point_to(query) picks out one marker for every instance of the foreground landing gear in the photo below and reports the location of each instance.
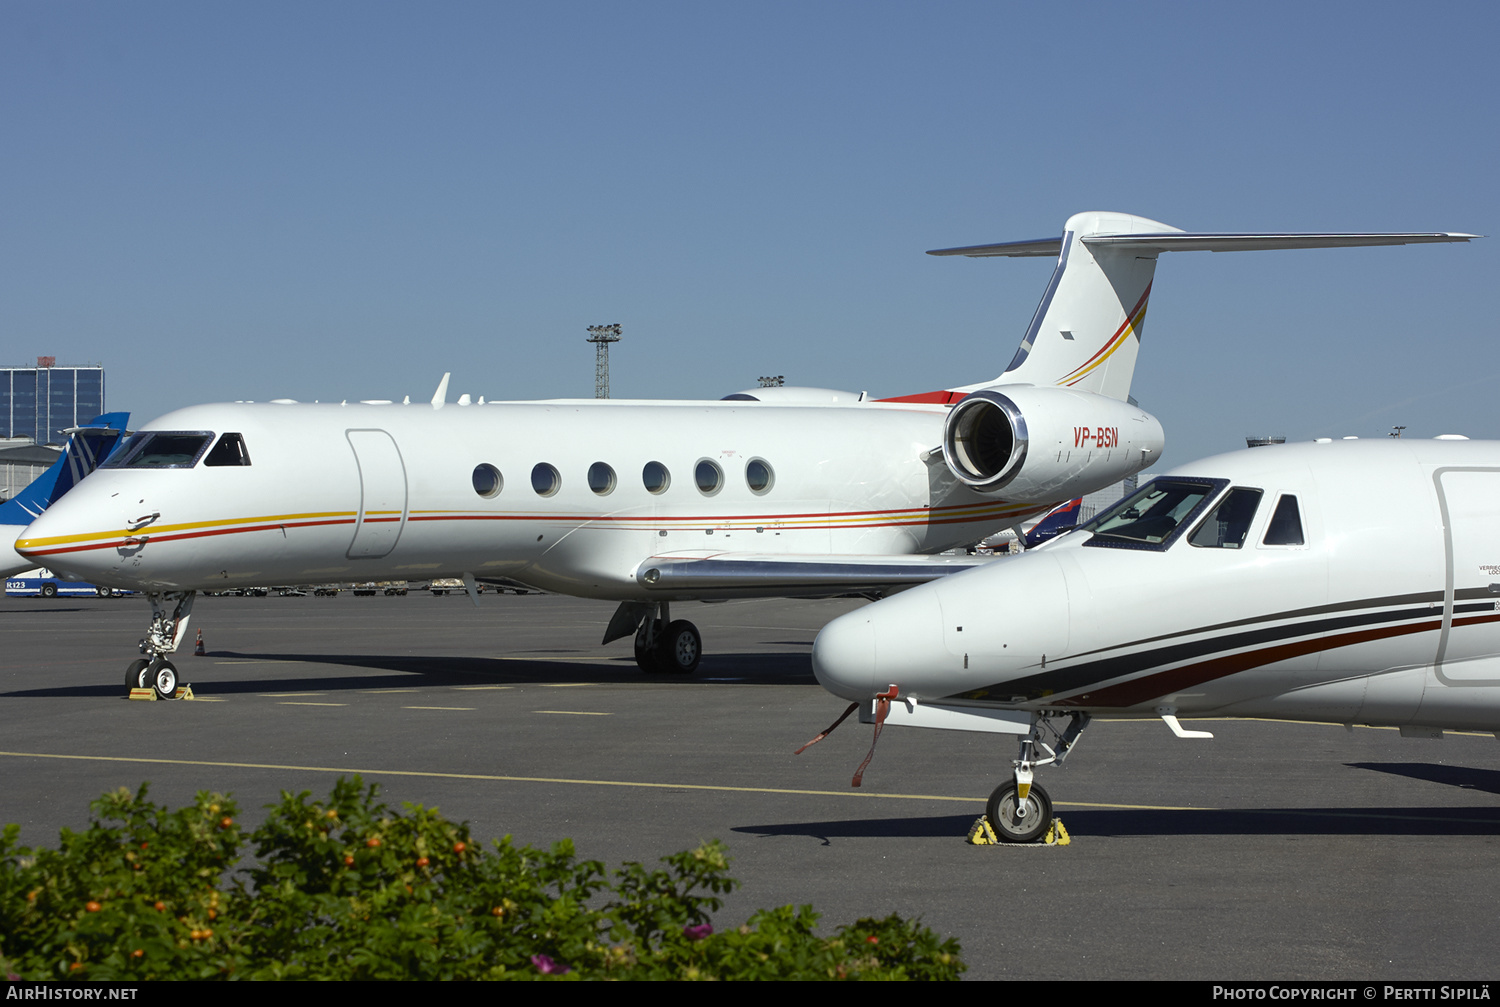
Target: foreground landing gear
(1019, 821)
(169, 620)
(662, 646)
(136, 676)
(1020, 811)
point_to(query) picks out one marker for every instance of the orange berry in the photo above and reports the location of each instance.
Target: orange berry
(225, 822)
(348, 861)
(422, 861)
(160, 906)
(459, 847)
(138, 953)
(498, 911)
(372, 842)
(92, 907)
(872, 939)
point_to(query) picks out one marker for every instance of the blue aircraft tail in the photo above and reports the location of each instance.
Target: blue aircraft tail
(1060, 519)
(86, 450)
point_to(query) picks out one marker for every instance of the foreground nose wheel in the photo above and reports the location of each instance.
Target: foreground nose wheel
(1018, 821)
(163, 676)
(136, 677)
(158, 674)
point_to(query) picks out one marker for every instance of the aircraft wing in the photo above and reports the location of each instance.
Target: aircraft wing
(782, 576)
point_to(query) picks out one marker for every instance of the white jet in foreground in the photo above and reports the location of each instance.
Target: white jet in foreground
(1346, 581)
(789, 492)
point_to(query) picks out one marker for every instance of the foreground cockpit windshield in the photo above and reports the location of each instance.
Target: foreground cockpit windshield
(1153, 516)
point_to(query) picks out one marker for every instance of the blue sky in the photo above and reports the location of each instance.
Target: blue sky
(344, 200)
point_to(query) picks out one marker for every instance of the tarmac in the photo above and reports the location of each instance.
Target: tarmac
(1275, 851)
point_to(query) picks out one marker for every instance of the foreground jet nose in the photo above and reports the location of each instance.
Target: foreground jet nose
(977, 630)
(855, 654)
(66, 538)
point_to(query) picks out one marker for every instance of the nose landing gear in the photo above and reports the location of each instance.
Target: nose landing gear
(168, 627)
(1019, 810)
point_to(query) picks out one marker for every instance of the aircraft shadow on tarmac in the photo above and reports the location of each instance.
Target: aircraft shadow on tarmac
(388, 671)
(1119, 823)
(1484, 780)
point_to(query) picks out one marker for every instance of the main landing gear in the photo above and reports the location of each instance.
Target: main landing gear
(169, 619)
(668, 647)
(1019, 810)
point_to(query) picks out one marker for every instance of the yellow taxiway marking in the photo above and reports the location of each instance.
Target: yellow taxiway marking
(312, 704)
(576, 713)
(476, 688)
(283, 695)
(564, 685)
(437, 708)
(382, 692)
(697, 786)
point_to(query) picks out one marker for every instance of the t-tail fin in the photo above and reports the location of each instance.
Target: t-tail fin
(1087, 330)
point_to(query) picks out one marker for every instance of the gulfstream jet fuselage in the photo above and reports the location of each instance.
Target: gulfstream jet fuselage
(772, 492)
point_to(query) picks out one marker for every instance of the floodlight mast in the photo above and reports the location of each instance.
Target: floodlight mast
(601, 336)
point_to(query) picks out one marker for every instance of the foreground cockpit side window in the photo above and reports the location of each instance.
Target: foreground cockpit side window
(229, 451)
(1228, 525)
(1154, 516)
(1286, 524)
(161, 449)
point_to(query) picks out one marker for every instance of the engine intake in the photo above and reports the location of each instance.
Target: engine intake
(985, 440)
(1038, 444)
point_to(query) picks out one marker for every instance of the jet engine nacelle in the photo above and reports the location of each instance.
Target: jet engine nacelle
(1037, 444)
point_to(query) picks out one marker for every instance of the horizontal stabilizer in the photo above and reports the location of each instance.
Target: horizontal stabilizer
(1086, 331)
(1209, 241)
(1014, 249)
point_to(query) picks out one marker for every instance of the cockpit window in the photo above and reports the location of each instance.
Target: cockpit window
(1286, 524)
(229, 451)
(1153, 516)
(161, 449)
(1228, 525)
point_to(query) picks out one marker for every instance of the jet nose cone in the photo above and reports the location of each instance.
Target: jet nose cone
(898, 641)
(843, 656)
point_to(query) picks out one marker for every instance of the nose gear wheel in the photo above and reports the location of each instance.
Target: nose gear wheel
(1018, 821)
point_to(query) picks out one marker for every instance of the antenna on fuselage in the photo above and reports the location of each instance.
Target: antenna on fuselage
(440, 397)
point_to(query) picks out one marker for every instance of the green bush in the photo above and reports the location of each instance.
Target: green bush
(349, 888)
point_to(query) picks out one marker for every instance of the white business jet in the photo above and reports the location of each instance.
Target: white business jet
(1348, 581)
(790, 492)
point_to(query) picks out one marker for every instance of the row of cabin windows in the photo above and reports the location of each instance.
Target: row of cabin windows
(602, 480)
(708, 476)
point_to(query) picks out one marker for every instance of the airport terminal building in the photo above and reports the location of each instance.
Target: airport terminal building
(36, 405)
